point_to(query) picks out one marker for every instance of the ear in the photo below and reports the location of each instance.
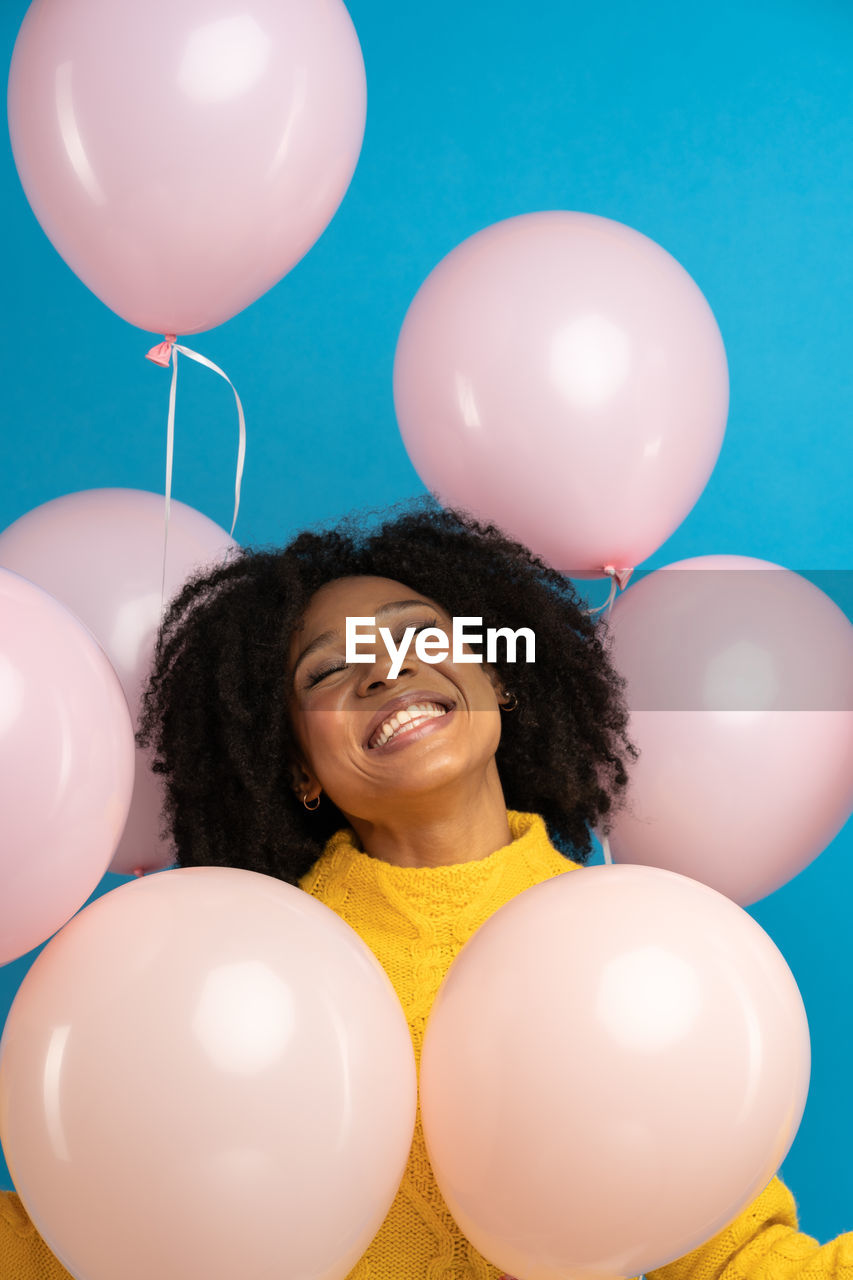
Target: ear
(301, 778)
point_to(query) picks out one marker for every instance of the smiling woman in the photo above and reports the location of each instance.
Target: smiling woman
(253, 709)
(414, 806)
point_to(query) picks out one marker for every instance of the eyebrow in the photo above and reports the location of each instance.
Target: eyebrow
(383, 609)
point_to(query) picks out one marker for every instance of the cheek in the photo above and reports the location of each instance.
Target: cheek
(478, 689)
(327, 733)
(495, 725)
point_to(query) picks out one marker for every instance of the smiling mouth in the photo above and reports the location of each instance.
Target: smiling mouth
(408, 722)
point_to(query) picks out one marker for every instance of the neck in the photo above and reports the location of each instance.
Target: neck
(440, 829)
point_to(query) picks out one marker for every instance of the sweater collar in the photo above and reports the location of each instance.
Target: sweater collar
(343, 861)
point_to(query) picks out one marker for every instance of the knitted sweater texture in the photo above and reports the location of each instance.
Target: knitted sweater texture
(415, 920)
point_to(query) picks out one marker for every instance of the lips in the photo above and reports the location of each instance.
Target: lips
(405, 700)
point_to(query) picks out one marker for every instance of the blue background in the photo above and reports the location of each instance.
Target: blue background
(722, 131)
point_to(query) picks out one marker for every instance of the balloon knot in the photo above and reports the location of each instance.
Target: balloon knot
(162, 353)
(621, 575)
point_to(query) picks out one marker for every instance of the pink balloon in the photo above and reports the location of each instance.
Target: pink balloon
(66, 765)
(740, 684)
(207, 1072)
(561, 374)
(182, 157)
(100, 552)
(615, 1065)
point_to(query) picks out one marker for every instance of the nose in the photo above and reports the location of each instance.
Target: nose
(376, 674)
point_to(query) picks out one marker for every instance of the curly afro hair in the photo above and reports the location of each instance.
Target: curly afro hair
(215, 708)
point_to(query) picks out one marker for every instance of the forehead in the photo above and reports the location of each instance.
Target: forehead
(357, 596)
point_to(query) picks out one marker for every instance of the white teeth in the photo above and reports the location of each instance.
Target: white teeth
(416, 711)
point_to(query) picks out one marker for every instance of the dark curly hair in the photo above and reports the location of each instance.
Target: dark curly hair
(215, 708)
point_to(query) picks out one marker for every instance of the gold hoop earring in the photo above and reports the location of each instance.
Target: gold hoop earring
(315, 805)
(508, 706)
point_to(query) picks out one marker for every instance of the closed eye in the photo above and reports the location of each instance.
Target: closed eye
(321, 675)
(397, 637)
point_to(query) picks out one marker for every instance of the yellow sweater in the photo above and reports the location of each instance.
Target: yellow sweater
(415, 920)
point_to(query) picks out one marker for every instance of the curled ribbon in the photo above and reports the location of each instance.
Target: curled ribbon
(164, 353)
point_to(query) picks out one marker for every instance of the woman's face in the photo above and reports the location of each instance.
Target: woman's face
(449, 721)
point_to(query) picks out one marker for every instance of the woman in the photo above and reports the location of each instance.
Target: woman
(414, 806)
